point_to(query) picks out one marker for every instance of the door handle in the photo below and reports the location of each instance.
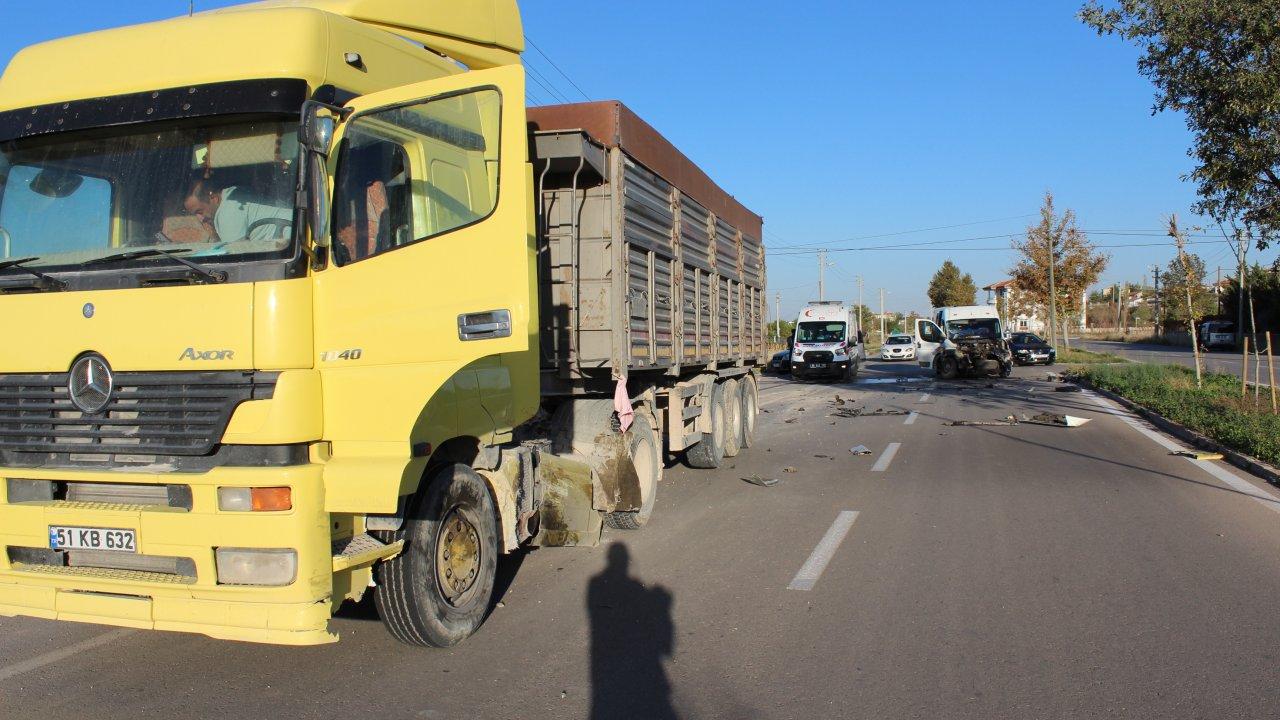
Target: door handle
(484, 325)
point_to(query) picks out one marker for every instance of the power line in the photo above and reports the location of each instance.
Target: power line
(557, 67)
(964, 249)
(546, 84)
(908, 232)
(928, 243)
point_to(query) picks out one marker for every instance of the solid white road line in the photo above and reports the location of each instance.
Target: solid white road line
(886, 457)
(822, 554)
(911, 419)
(1232, 480)
(54, 656)
(924, 398)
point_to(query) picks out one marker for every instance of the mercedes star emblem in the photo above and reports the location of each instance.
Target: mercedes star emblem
(91, 384)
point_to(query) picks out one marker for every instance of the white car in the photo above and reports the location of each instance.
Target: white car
(898, 347)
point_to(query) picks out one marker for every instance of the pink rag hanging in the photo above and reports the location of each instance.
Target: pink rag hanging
(622, 404)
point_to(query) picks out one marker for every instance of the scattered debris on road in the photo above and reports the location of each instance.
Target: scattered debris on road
(1052, 419)
(788, 469)
(790, 420)
(762, 482)
(862, 411)
(1056, 419)
(860, 450)
(1198, 454)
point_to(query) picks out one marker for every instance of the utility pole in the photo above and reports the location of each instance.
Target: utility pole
(1240, 251)
(859, 278)
(1155, 270)
(777, 317)
(1217, 288)
(882, 315)
(1053, 292)
(822, 269)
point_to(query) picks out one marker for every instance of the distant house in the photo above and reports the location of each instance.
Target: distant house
(1025, 316)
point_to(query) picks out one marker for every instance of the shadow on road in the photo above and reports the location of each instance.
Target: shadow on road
(632, 633)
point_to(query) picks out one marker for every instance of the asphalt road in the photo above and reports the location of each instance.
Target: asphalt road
(989, 572)
(1226, 362)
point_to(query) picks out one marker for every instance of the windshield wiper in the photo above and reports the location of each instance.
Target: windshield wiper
(214, 276)
(43, 282)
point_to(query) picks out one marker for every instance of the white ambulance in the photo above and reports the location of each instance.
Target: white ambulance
(828, 341)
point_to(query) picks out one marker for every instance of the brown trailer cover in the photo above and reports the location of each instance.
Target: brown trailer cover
(637, 271)
(616, 126)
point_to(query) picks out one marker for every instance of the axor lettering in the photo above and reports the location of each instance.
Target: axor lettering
(194, 354)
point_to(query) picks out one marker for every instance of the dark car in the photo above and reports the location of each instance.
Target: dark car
(1029, 349)
(780, 363)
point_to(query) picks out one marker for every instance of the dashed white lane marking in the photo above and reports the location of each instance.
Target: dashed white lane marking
(1231, 479)
(886, 457)
(911, 419)
(812, 569)
(924, 398)
(54, 656)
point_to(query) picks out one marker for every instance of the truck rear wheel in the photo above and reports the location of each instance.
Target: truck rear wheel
(437, 591)
(646, 452)
(732, 418)
(750, 410)
(709, 452)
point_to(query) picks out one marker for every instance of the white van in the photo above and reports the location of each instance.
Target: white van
(828, 341)
(964, 339)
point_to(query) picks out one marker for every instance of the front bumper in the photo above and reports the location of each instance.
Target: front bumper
(296, 614)
(833, 368)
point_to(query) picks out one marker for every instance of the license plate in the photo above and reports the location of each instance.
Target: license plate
(88, 538)
(818, 365)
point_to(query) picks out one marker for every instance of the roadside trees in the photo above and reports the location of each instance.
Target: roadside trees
(1216, 62)
(949, 287)
(1075, 265)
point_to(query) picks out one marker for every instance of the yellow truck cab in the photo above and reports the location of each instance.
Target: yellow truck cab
(269, 280)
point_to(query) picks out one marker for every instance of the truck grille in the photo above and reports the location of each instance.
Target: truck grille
(170, 413)
(819, 356)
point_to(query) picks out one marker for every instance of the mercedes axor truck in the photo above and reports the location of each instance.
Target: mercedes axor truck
(301, 302)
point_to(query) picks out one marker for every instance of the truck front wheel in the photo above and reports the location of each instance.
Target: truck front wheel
(437, 591)
(948, 369)
(732, 418)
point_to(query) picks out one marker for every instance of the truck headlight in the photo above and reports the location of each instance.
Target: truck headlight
(251, 566)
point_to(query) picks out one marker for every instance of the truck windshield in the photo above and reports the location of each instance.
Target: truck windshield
(213, 192)
(974, 328)
(820, 332)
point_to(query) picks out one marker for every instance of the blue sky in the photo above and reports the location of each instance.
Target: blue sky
(838, 121)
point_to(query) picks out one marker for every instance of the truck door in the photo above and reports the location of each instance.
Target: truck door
(928, 339)
(427, 294)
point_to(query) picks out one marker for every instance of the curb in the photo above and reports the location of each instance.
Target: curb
(1249, 464)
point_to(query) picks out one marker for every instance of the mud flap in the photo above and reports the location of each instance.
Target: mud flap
(567, 516)
(616, 484)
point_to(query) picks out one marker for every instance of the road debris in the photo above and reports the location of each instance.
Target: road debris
(1067, 388)
(862, 411)
(1197, 454)
(1011, 420)
(790, 420)
(824, 457)
(839, 401)
(788, 469)
(860, 450)
(762, 482)
(1056, 419)
(1053, 419)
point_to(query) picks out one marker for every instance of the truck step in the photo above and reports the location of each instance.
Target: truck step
(361, 550)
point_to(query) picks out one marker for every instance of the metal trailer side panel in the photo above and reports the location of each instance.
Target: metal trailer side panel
(636, 276)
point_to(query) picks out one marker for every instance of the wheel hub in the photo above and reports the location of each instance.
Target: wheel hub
(457, 556)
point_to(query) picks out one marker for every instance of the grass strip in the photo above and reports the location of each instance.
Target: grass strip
(1216, 410)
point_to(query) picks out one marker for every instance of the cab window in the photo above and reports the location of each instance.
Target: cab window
(406, 174)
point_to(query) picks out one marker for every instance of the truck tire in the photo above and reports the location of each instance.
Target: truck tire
(852, 373)
(647, 454)
(750, 410)
(948, 369)
(709, 452)
(437, 591)
(732, 418)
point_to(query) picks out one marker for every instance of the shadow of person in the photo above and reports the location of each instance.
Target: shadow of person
(631, 633)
